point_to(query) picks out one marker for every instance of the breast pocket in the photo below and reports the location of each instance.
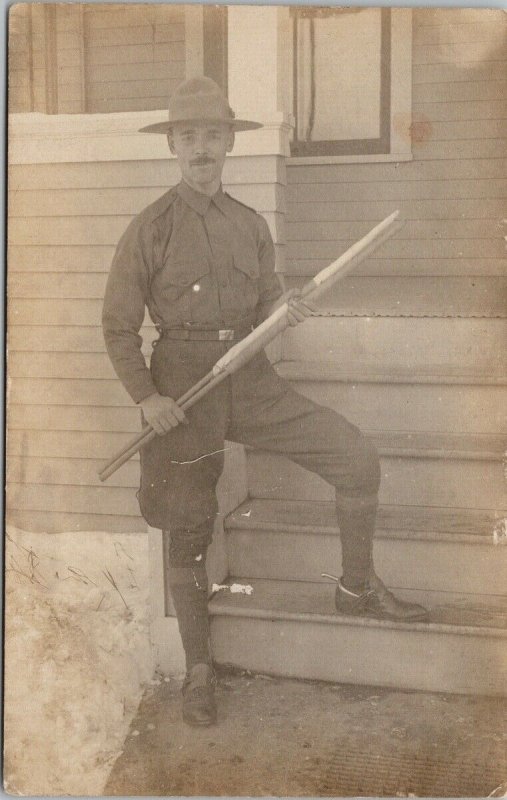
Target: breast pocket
(247, 262)
(184, 286)
(246, 278)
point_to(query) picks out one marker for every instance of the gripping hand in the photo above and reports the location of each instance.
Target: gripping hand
(299, 308)
(162, 413)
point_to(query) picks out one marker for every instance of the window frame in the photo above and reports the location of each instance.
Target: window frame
(394, 143)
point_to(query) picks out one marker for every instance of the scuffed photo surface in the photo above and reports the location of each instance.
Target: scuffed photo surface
(346, 665)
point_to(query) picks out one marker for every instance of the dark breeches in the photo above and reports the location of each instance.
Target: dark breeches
(179, 471)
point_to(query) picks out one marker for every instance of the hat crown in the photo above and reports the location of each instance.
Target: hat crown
(199, 99)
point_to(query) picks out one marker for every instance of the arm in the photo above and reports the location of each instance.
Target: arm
(123, 314)
(271, 296)
(123, 311)
(270, 289)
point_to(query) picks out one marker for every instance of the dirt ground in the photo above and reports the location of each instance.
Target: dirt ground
(284, 737)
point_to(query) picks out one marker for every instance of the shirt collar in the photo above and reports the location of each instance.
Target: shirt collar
(198, 201)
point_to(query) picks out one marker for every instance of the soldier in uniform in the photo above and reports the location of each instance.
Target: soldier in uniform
(203, 265)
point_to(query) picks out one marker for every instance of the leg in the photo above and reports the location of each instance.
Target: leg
(276, 418)
(179, 473)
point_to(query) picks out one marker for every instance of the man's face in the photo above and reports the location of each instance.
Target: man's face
(200, 148)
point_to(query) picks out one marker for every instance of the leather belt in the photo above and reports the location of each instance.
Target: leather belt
(222, 335)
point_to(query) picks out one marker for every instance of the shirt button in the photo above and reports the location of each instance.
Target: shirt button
(196, 287)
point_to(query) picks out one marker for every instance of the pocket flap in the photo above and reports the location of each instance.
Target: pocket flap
(184, 273)
(247, 261)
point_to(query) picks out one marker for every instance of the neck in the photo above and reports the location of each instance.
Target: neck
(208, 189)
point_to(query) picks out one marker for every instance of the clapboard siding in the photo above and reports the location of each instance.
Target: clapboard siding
(34, 417)
(408, 266)
(445, 73)
(357, 295)
(131, 174)
(134, 56)
(62, 430)
(80, 498)
(20, 58)
(66, 444)
(457, 32)
(453, 52)
(65, 339)
(68, 391)
(52, 522)
(106, 206)
(452, 195)
(47, 258)
(68, 413)
(412, 190)
(68, 471)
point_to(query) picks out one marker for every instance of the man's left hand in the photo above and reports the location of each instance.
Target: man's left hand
(299, 307)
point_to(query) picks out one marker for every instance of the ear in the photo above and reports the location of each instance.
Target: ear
(170, 141)
(230, 141)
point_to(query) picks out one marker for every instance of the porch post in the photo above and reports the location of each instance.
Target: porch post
(260, 88)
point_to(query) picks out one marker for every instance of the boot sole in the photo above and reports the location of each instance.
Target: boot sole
(391, 618)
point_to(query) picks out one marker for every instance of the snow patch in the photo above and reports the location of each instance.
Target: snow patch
(77, 656)
(233, 588)
(500, 532)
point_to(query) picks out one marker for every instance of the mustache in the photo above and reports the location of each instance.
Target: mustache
(201, 162)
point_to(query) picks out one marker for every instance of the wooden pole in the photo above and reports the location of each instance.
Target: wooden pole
(243, 351)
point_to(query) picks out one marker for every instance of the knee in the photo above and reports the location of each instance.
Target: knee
(365, 468)
(188, 548)
(169, 505)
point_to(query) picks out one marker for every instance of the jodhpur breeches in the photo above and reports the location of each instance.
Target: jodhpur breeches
(179, 471)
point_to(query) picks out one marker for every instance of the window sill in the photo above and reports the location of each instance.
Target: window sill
(379, 158)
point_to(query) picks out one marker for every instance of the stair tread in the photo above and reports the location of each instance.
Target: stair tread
(430, 444)
(364, 372)
(444, 445)
(314, 602)
(319, 517)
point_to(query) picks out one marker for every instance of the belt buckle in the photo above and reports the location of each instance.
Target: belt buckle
(226, 335)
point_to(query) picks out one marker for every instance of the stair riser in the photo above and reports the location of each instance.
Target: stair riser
(414, 342)
(425, 407)
(420, 660)
(405, 481)
(422, 565)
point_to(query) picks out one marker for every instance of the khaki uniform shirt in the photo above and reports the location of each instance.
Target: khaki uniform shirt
(196, 262)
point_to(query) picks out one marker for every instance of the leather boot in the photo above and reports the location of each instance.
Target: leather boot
(377, 602)
(199, 706)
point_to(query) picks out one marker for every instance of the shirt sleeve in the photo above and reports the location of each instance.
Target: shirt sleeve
(269, 285)
(124, 308)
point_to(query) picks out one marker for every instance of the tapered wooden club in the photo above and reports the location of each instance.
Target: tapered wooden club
(243, 351)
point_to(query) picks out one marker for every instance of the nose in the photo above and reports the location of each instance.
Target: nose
(201, 144)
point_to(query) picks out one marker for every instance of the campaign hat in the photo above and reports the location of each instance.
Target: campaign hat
(200, 99)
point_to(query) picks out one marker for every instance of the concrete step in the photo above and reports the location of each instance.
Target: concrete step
(441, 398)
(290, 628)
(420, 469)
(428, 549)
(414, 342)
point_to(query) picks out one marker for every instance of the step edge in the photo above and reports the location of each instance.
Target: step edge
(434, 454)
(300, 370)
(217, 610)
(465, 516)
(233, 525)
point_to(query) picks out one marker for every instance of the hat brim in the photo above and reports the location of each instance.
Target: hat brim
(236, 124)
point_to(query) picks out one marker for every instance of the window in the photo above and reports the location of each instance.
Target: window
(343, 80)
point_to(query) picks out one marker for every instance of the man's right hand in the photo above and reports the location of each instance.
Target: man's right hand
(162, 413)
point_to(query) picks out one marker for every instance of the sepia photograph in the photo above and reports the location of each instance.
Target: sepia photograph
(256, 507)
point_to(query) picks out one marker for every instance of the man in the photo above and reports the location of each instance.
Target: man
(203, 264)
